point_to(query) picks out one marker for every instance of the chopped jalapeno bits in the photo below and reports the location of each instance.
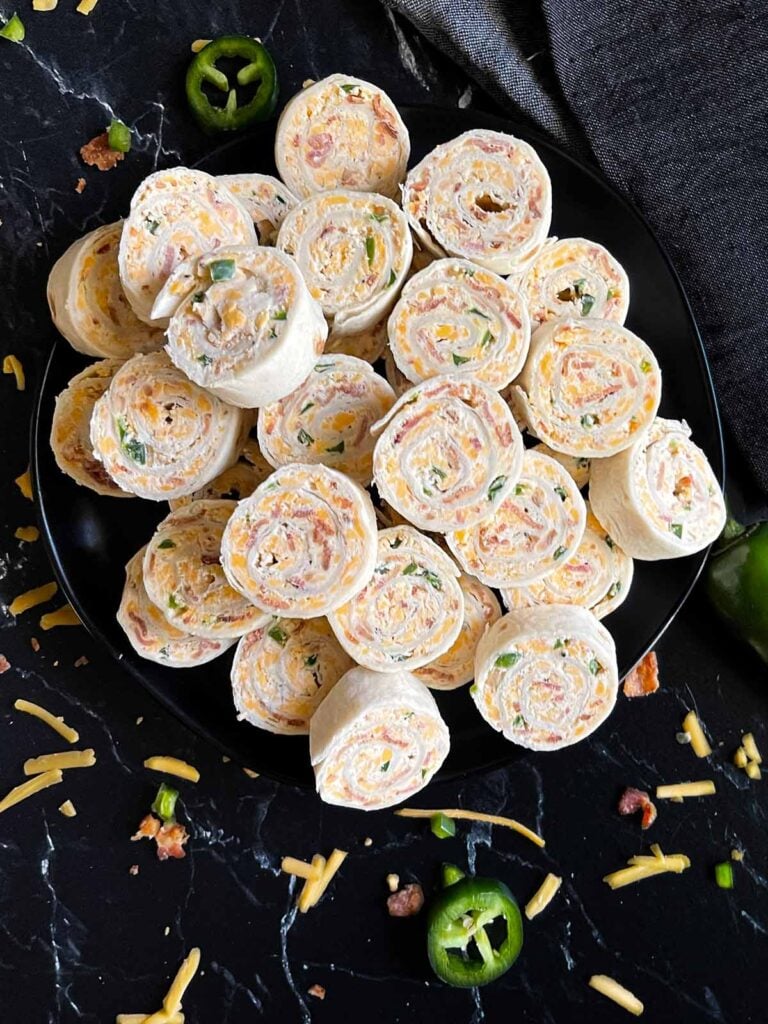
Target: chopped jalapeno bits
(442, 826)
(13, 29)
(119, 136)
(507, 660)
(164, 805)
(724, 875)
(496, 486)
(451, 874)
(221, 270)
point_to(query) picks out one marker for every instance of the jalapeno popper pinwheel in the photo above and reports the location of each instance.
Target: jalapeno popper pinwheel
(598, 576)
(265, 198)
(485, 196)
(546, 677)
(328, 418)
(159, 435)
(303, 543)
(175, 215)
(354, 251)
(283, 670)
(575, 277)
(589, 387)
(247, 328)
(376, 740)
(576, 466)
(410, 611)
(536, 529)
(184, 578)
(71, 428)
(659, 498)
(448, 453)
(149, 632)
(457, 666)
(341, 132)
(455, 317)
(87, 302)
(369, 344)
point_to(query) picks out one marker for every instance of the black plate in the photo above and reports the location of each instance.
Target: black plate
(90, 538)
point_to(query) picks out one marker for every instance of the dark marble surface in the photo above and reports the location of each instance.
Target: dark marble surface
(81, 939)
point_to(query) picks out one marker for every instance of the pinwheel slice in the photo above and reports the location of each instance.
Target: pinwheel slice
(485, 196)
(369, 344)
(71, 426)
(328, 418)
(184, 578)
(175, 215)
(448, 454)
(536, 529)
(247, 328)
(396, 378)
(265, 198)
(659, 498)
(456, 317)
(159, 435)
(589, 388)
(283, 670)
(237, 482)
(87, 302)
(354, 251)
(457, 666)
(576, 466)
(376, 740)
(546, 677)
(341, 132)
(149, 632)
(573, 277)
(303, 543)
(598, 576)
(410, 611)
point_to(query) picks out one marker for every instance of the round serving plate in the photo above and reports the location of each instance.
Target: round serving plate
(90, 538)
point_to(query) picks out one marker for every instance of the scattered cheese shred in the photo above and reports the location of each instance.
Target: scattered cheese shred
(68, 809)
(330, 868)
(32, 598)
(173, 766)
(493, 819)
(142, 1018)
(12, 365)
(44, 5)
(28, 788)
(300, 868)
(680, 790)
(750, 748)
(613, 990)
(199, 44)
(699, 743)
(64, 760)
(58, 724)
(737, 855)
(645, 867)
(306, 896)
(86, 6)
(753, 770)
(179, 985)
(28, 533)
(543, 896)
(64, 616)
(24, 483)
(740, 758)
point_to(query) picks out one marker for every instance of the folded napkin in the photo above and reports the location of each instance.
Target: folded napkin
(669, 98)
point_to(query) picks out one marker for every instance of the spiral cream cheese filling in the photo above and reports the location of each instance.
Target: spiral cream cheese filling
(266, 199)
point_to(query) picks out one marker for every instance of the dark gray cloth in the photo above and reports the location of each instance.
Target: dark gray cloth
(670, 97)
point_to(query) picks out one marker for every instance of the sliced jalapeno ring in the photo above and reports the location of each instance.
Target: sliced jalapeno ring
(259, 70)
(463, 919)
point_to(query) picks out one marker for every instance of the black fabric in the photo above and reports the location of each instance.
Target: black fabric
(670, 97)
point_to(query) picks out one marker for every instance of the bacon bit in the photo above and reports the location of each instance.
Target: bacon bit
(82, 660)
(406, 902)
(317, 991)
(34, 643)
(170, 838)
(97, 153)
(80, 186)
(4, 664)
(633, 800)
(133, 869)
(644, 677)
(148, 828)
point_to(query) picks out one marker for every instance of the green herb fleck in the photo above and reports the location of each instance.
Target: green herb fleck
(167, 543)
(561, 493)
(304, 438)
(198, 297)
(611, 293)
(278, 635)
(164, 652)
(221, 270)
(559, 552)
(595, 666)
(280, 199)
(396, 542)
(557, 644)
(520, 489)
(519, 722)
(496, 486)
(677, 529)
(432, 579)
(370, 248)
(311, 660)
(322, 367)
(589, 420)
(349, 87)
(392, 278)
(173, 603)
(204, 360)
(614, 589)
(610, 542)
(587, 302)
(379, 216)
(337, 448)
(438, 472)
(645, 366)
(459, 360)
(410, 569)
(478, 312)
(487, 339)
(507, 660)
(385, 766)
(151, 225)
(306, 408)
(281, 314)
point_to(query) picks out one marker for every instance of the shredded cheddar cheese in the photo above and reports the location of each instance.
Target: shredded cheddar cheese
(641, 867)
(750, 748)
(753, 770)
(86, 6)
(68, 809)
(142, 1018)
(699, 743)
(66, 759)
(330, 868)
(64, 616)
(24, 483)
(306, 896)
(44, 5)
(681, 790)
(28, 788)
(493, 819)
(32, 598)
(617, 993)
(58, 724)
(172, 1002)
(27, 533)
(740, 758)
(12, 365)
(299, 868)
(173, 766)
(543, 896)
(199, 44)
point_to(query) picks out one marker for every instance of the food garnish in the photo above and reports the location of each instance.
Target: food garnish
(258, 71)
(13, 29)
(644, 677)
(633, 800)
(613, 990)
(641, 867)
(459, 814)
(543, 896)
